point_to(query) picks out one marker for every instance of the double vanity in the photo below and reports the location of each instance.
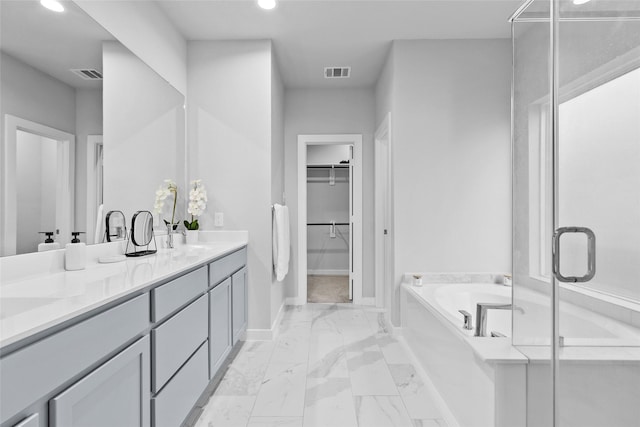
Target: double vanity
(134, 343)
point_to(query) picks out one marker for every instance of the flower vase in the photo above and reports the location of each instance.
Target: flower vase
(170, 236)
(191, 237)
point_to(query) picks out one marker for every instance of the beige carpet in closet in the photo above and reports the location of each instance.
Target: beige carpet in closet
(328, 289)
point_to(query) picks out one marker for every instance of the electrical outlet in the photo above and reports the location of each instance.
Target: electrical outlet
(218, 219)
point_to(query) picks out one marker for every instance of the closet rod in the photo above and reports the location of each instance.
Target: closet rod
(342, 166)
(328, 223)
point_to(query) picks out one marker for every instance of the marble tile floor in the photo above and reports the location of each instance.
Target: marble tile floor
(332, 365)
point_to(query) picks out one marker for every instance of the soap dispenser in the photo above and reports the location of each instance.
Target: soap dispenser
(75, 253)
(49, 244)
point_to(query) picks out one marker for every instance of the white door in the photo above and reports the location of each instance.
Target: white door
(383, 241)
(355, 223)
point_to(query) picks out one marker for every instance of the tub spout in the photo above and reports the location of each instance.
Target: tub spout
(481, 315)
(467, 319)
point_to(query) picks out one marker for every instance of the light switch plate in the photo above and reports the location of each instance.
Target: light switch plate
(218, 219)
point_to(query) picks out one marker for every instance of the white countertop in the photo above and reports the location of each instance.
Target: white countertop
(34, 304)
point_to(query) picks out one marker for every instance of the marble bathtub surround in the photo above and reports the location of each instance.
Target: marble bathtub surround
(331, 365)
(427, 278)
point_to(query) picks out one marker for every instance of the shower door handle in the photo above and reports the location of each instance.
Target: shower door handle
(591, 254)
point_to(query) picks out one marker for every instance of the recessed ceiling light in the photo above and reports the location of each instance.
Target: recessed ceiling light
(579, 2)
(267, 4)
(52, 5)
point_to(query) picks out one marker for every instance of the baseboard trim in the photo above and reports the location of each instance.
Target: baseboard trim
(327, 272)
(395, 331)
(275, 326)
(259, 335)
(295, 301)
(368, 301)
(267, 334)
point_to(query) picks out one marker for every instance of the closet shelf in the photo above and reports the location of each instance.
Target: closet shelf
(336, 166)
(327, 223)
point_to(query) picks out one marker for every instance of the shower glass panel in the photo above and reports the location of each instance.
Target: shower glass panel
(597, 179)
(576, 157)
(532, 201)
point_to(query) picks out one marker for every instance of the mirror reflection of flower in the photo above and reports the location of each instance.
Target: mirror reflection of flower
(197, 204)
(164, 191)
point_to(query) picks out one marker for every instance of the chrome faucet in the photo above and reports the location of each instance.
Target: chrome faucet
(481, 315)
(467, 319)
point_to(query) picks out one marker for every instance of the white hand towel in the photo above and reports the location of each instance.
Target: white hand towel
(281, 241)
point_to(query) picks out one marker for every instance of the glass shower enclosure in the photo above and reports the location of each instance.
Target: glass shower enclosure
(576, 209)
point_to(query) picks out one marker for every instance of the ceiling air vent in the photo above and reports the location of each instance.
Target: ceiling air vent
(87, 73)
(337, 72)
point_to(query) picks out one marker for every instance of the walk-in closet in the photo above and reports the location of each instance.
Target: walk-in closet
(329, 203)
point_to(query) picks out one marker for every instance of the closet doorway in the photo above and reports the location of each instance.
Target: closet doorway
(330, 219)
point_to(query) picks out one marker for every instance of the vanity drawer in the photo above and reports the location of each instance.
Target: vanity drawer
(171, 296)
(225, 267)
(176, 339)
(172, 405)
(34, 371)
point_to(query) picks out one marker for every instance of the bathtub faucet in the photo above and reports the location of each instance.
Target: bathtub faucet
(482, 309)
(467, 319)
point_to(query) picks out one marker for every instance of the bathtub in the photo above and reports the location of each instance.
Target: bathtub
(578, 326)
(485, 381)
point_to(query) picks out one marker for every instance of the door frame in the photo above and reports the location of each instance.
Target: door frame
(382, 214)
(92, 191)
(330, 139)
(65, 198)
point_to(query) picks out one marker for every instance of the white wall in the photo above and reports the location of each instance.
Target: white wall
(327, 154)
(143, 134)
(33, 95)
(88, 122)
(36, 177)
(230, 149)
(385, 88)
(144, 28)
(321, 111)
(451, 155)
(277, 168)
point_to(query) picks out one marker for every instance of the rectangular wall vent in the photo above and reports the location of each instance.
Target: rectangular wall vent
(87, 73)
(337, 72)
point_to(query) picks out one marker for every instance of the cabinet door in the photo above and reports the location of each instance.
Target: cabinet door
(239, 303)
(219, 325)
(174, 341)
(115, 394)
(32, 421)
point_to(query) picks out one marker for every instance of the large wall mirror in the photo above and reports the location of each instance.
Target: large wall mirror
(85, 126)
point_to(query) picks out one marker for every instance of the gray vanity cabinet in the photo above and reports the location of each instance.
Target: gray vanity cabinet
(31, 421)
(35, 373)
(239, 303)
(143, 362)
(219, 325)
(115, 394)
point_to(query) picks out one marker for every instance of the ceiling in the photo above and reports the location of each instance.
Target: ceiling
(52, 42)
(310, 34)
(307, 35)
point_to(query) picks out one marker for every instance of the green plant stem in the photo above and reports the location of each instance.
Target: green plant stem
(175, 200)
